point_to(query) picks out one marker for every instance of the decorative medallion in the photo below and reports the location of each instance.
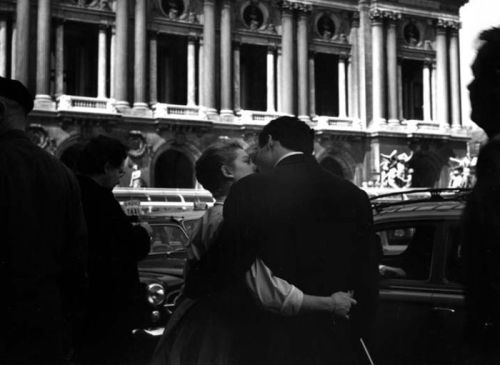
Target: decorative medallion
(253, 16)
(325, 27)
(173, 9)
(39, 136)
(137, 144)
(411, 34)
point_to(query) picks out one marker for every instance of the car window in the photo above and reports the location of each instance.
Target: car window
(168, 238)
(454, 260)
(407, 250)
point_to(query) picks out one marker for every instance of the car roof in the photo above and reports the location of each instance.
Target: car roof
(429, 204)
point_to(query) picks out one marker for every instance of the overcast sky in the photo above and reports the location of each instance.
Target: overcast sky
(476, 16)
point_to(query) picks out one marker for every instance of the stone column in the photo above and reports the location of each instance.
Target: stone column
(426, 77)
(102, 62)
(112, 65)
(287, 60)
(22, 40)
(434, 92)
(270, 79)
(392, 69)
(342, 85)
(209, 55)
(191, 71)
(225, 58)
(312, 86)
(236, 77)
(3, 48)
(364, 42)
(455, 77)
(140, 49)
(13, 51)
(121, 55)
(353, 75)
(153, 68)
(43, 99)
(400, 89)
(378, 68)
(442, 75)
(302, 62)
(59, 58)
(201, 59)
(279, 79)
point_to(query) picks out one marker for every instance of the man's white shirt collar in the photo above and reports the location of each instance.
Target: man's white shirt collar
(287, 155)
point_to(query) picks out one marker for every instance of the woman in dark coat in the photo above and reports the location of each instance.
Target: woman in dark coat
(115, 296)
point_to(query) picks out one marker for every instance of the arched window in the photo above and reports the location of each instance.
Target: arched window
(173, 169)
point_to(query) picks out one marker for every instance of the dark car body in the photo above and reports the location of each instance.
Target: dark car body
(420, 318)
(161, 272)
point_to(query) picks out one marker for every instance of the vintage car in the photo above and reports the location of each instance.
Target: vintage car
(173, 215)
(420, 318)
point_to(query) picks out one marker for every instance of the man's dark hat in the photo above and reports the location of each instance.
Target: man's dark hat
(14, 90)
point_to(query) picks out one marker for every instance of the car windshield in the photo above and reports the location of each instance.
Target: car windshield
(168, 238)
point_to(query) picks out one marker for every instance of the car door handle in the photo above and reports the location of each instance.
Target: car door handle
(443, 309)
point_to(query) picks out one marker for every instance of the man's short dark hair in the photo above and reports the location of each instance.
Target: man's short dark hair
(100, 151)
(208, 166)
(291, 132)
(16, 91)
(491, 44)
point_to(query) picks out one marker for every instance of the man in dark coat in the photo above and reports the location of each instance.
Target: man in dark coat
(115, 296)
(42, 242)
(481, 218)
(312, 229)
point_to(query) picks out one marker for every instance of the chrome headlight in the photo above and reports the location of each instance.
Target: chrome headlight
(156, 294)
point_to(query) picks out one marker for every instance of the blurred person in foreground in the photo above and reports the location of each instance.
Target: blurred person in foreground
(198, 333)
(481, 218)
(307, 227)
(42, 244)
(115, 296)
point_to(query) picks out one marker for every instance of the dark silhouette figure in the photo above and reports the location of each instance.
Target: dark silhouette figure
(42, 244)
(115, 296)
(481, 219)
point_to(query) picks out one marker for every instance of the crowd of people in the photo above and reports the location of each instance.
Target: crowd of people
(283, 269)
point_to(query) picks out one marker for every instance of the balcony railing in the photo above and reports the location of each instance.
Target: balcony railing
(326, 122)
(162, 110)
(85, 104)
(258, 117)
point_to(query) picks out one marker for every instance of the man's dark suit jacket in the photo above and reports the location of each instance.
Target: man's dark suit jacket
(316, 231)
(42, 253)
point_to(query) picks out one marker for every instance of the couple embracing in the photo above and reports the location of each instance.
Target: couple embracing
(284, 270)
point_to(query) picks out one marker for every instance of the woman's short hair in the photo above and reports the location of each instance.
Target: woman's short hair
(208, 166)
(98, 152)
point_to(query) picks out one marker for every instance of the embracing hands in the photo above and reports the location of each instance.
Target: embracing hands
(341, 303)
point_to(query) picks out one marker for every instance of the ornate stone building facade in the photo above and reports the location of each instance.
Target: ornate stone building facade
(169, 77)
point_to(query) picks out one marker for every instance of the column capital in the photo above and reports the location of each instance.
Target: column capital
(444, 24)
(377, 16)
(101, 26)
(209, 2)
(272, 47)
(302, 7)
(393, 17)
(428, 62)
(344, 56)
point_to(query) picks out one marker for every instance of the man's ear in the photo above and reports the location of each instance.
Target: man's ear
(226, 172)
(107, 167)
(270, 142)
